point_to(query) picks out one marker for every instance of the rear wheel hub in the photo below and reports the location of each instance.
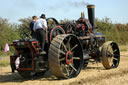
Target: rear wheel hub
(69, 57)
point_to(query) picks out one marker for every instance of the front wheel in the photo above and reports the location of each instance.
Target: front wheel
(110, 55)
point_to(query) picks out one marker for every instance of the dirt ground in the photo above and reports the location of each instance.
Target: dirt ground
(93, 75)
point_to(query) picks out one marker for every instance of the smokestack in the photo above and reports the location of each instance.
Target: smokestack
(91, 15)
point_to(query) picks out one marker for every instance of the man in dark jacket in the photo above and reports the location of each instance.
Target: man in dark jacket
(34, 19)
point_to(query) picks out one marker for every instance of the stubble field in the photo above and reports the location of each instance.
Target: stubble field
(93, 75)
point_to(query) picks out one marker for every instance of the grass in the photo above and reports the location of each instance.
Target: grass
(5, 58)
(123, 48)
(4, 61)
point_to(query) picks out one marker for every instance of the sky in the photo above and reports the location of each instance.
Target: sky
(13, 10)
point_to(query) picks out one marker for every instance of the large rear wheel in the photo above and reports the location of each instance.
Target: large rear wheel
(110, 55)
(65, 56)
(51, 22)
(57, 30)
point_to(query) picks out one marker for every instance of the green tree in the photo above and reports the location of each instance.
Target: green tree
(104, 24)
(24, 29)
(113, 32)
(8, 33)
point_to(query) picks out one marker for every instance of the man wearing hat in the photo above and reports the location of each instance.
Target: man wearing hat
(40, 28)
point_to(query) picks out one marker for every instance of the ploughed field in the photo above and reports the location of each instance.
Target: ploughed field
(95, 74)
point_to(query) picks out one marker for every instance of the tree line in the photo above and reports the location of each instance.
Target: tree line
(9, 32)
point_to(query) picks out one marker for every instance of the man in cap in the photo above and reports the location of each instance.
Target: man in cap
(40, 28)
(34, 19)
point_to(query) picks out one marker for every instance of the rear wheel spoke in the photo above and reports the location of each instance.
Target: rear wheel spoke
(62, 59)
(64, 46)
(62, 52)
(72, 67)
(68, 44)
(67, 70)
(74, 47)
(76, 58)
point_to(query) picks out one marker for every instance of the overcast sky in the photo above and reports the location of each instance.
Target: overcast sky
(116, 10)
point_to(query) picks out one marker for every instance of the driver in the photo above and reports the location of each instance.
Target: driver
(40, 28)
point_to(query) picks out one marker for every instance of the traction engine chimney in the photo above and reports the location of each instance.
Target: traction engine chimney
(91, 15)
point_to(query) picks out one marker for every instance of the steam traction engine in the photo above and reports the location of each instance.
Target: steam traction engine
(69, 48)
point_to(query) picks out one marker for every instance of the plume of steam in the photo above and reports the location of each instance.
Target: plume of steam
(68, 4)
(79, 4)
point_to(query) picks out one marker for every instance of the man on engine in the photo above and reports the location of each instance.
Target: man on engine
(34, 19)
(40, 28)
